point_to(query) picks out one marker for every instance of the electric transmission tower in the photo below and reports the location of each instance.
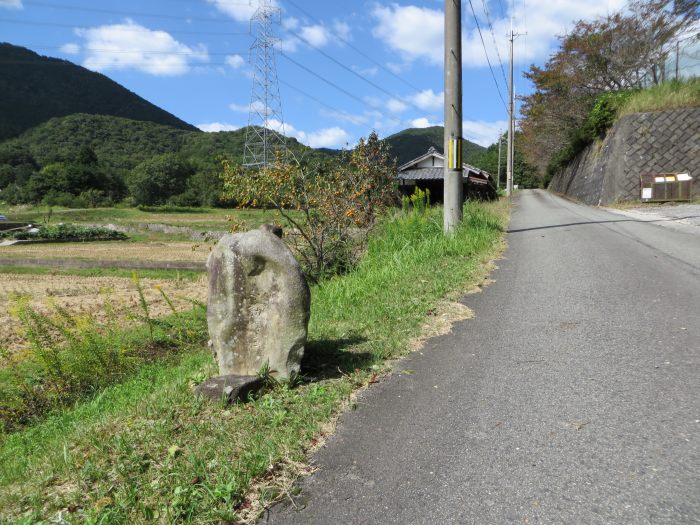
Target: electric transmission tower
(265, 134)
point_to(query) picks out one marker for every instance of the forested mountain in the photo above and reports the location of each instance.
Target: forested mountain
(65, 156)
(410, 143)
(72, 137)
(35, 89)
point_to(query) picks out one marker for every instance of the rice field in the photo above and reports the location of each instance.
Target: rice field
(88, 295)
(111, 251)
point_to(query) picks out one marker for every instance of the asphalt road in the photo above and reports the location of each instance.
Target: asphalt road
(572, 397)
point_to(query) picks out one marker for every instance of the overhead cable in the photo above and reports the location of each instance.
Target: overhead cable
(498, 88)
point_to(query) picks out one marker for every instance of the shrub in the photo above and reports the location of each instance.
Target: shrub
(329, 208)
(602, 116)
(62, 232)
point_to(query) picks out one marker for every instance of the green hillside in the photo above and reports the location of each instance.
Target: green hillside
(120, 144)
(411, 143)
(34, 89)
(65, 156)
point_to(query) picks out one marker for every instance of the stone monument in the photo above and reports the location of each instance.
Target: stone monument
(258, 311)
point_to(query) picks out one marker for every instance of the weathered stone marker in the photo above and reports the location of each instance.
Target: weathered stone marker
(258, 311)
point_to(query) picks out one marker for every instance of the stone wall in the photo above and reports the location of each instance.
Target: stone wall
(639, 144)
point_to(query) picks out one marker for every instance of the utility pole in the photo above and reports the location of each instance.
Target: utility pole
(498, 177)
(453, 115)
(509, 168)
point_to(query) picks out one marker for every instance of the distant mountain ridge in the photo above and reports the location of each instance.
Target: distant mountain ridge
(413, 142)
(120, 144)
(35, 89)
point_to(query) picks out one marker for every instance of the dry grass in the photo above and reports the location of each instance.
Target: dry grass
(111, 251)
(670, 95)
(81, 295)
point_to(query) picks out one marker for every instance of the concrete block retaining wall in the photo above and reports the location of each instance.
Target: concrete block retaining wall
(639, 144)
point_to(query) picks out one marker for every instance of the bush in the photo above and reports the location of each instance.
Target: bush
(329, 208)
(66, 232)
(602, 116)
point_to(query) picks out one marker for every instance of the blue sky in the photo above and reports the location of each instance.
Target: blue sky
(190, 57)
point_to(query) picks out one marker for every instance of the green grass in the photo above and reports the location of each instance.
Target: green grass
(196, 218)
(670, 95)
(149, 451)
(104, 272)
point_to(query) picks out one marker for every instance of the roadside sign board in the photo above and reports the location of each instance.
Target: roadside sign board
(664, 187)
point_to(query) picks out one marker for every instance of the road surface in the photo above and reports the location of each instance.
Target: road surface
(572, 397)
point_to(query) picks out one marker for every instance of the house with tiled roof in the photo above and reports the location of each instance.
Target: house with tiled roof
(427, 173)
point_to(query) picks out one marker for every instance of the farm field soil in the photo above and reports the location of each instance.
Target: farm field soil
(111, 251)
(87, 295)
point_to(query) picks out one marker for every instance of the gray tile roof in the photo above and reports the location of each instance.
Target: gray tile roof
(423, 174)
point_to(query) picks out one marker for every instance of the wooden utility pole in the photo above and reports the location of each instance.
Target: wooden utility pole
(453, 115)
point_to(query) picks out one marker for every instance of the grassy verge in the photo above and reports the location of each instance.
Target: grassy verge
(148, 451)
(670, 95)
(103, 272)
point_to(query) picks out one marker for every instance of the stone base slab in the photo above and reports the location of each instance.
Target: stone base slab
(229, 388)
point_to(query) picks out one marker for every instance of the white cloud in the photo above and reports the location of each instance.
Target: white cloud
(132, 46)
(417, 32)
(238, 10)
(422, 122)
(368, 72)
(328, 138)
(414, 32)
(245, 108)
(316, 35)
(290, 23)
(397, 69)
(214, 127)
(483, 133)
(235, 61)
(358, 120)
(324, 138)
(11, 4)
(396, 106)
(428, 100)
(70, 49)
(342, 30)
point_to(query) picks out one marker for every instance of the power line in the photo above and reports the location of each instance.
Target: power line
(322, 78)
(495, 44)
(356, 49)
(126, 27)
(336, 86)
(350, 70)
(487, 56)
(351, 118)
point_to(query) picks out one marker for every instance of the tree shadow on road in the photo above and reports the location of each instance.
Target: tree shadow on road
(589, 223)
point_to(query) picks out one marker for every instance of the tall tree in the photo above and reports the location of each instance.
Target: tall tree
(623, 50)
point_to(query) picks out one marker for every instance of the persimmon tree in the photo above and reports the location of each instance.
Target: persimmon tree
(329, 208)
